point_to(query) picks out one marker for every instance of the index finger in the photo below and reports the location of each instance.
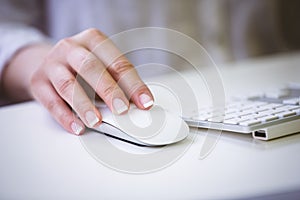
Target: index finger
(118, 66)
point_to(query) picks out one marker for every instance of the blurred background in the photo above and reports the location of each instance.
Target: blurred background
(230, 30)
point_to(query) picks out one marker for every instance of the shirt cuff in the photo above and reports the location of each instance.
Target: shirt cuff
(15, 36)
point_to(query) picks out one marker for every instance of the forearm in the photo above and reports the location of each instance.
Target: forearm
(18, 72)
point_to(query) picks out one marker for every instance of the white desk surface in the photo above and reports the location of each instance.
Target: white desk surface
(39, 160)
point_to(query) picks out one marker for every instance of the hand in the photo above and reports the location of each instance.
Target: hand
(56, 86)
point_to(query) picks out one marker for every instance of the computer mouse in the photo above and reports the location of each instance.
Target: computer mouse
(154, 127)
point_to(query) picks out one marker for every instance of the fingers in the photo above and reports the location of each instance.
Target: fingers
(118, 66)
(73, 94)
(131, 83)
(95, 59)
(94, 72)
(44, 93)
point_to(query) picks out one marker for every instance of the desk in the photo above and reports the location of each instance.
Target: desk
(39, 160)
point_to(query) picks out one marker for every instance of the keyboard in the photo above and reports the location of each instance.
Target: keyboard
(266, 116)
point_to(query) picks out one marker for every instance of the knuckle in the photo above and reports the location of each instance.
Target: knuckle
(63, 117)
(52, 105)
(89, 63)
(120, 68)
(65, 43)
(95, 37)
(65, 85)
(109, 90)
(94, 32)
(59, 49)
(137, 86)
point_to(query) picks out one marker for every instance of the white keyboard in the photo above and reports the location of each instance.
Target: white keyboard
(269, 116)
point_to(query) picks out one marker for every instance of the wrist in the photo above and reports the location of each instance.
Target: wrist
(17, 73)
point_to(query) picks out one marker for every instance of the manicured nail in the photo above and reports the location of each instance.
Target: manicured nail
(119, 106)
(91, 118)
(76, 128)
(146, 100)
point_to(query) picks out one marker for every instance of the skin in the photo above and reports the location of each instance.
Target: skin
(49, 74)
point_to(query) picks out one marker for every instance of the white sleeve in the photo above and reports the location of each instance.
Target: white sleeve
(14, 36)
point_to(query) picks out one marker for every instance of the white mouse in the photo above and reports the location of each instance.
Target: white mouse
(154, 127)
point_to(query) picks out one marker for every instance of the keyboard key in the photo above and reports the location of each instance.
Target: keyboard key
(260, 115)
(250, 122)
(272, 106)
(286, 114)
(216, 119)
(230, 116)
(269, 112)
(276, 105)
(287, 107)
(274, 112)
(268, 118)
(293, 107)
(232, 121)
(297, 111)
(250, 116)
(259, 109)
(244, 112)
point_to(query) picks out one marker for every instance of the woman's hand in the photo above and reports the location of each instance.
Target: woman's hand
(98, 62)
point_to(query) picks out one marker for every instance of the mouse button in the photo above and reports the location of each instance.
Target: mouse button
(174, 130)
(165, 127)
(140, 118)
(106, 114)
(135, 125)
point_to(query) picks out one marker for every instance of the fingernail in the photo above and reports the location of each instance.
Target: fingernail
(119, 106)
(91, 118)
(76, 128)
(146, 100)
